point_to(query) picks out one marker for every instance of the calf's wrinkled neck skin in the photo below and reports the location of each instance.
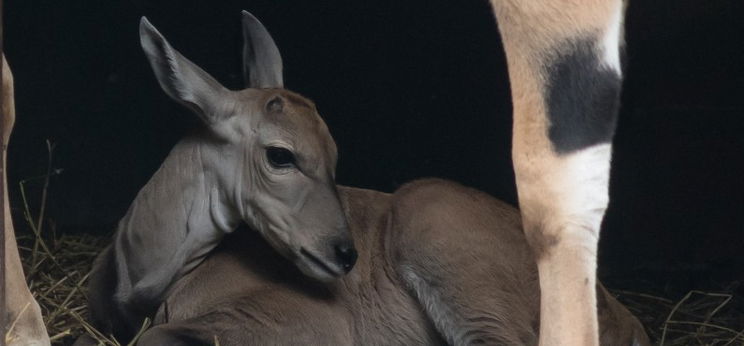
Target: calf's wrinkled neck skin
(211, 182)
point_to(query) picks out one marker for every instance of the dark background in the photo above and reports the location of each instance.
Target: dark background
(409, 89)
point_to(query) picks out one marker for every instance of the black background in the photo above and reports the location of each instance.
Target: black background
(409, 89)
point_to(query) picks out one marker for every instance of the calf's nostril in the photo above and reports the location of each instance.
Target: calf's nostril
(346, 255)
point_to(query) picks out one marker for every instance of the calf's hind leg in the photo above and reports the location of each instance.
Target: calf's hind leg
(465, 258)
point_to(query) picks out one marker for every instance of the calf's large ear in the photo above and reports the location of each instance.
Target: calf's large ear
(181, 79)
(262, 63)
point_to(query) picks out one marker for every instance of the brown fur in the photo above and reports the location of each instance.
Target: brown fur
(465, 248)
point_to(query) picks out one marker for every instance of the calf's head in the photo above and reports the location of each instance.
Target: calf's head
(273, 150)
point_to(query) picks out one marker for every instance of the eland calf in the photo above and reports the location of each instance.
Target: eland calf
(438, 263)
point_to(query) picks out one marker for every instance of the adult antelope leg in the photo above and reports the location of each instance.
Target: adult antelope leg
(24, 325)
(564, 68)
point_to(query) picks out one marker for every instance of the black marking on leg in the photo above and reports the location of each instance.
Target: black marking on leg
(583, 97)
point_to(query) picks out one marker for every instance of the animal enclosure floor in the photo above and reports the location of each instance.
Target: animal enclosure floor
(57, 271)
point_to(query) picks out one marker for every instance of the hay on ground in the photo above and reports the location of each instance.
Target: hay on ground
(58, 281)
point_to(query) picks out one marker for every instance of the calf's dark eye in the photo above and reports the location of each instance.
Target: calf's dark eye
(280, 157)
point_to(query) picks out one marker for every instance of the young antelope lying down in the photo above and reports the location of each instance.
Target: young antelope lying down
(436, 263)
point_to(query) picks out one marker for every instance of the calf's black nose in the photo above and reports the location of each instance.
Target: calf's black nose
(346, 255)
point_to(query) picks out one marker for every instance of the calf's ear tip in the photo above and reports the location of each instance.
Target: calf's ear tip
(249, 18)
(150, 38)
(145, 23)
(146, 29)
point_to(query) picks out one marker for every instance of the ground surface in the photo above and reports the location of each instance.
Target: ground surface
(57, 275)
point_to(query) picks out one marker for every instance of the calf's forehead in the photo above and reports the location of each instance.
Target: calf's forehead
(297, 113)
(298, 122)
